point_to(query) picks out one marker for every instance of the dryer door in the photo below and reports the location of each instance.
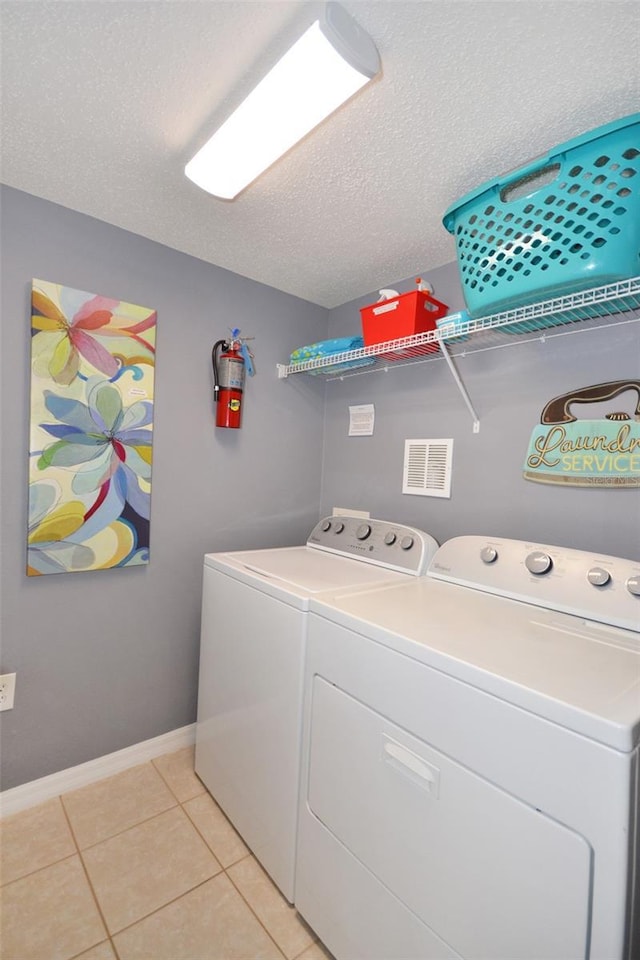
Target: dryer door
(483, 870)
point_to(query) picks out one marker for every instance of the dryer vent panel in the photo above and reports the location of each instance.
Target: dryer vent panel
(427, 467)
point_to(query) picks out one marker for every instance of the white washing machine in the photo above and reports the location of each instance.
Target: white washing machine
(254, 624)
(470, 760)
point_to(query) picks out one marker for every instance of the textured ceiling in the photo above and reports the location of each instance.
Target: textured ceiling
(104, 101)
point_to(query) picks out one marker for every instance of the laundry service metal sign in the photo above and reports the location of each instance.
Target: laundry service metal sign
(602, 450)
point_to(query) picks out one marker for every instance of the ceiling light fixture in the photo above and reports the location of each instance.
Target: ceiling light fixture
(331, 61)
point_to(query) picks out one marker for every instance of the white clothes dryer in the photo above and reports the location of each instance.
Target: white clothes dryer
(253, 636)
(471, 762)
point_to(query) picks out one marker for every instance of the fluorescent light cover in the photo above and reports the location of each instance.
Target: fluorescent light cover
(303, 88)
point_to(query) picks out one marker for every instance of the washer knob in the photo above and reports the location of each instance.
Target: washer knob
(326, 526)
(633, 586)
(488, 554)
(339, 527)
(598, 576)
(363, 531)
(390, 538)
(538, 562)
(406, 543)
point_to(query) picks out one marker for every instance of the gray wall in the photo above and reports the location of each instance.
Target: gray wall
(108, 659)
(508, 387)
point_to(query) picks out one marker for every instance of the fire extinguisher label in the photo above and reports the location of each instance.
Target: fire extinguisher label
(232, 375)
(234, 405)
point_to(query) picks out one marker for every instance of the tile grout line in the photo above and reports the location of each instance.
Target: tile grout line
(231, 880)
(79, 853)
(163, 906)
(88, 879)
(177, 803)
(97, 843)
(270, 935)
(77, 956)
(33, 873)
(111, 935)
(208, 845)
(240, 893)
(166, 782)
(223, 869)
(120, 833)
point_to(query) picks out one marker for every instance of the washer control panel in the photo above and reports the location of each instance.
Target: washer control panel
(391, 545)
(590, 585)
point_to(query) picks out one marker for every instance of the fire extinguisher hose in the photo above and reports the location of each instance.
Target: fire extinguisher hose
(214, 364)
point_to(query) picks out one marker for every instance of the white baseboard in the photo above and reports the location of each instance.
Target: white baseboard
(37, 791)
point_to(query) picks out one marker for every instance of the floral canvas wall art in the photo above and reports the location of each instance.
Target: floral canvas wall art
(90, 451)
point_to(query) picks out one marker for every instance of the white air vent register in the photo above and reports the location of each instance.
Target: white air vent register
(427, 467)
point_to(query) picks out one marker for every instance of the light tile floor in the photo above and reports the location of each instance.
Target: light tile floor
(140, 866)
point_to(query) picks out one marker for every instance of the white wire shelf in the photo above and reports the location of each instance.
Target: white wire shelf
(590, 309)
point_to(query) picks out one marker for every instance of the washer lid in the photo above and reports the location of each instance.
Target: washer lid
(295, 574)
(578, 673)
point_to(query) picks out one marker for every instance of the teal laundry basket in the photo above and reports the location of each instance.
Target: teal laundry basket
(566, 221)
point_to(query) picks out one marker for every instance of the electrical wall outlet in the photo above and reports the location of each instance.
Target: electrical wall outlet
(7, 690)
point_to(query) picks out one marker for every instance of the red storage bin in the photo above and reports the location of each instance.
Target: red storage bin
(402, 316)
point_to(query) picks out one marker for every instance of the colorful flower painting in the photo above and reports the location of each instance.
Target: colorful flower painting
(90, 452)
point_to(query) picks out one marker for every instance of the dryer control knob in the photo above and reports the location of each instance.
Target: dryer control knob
(363, 531)
(488, 554)
(633, 586)
(339, 527)
(406, 543)
(538, 562)
(390, 538)
(598, 576)
(326, 526)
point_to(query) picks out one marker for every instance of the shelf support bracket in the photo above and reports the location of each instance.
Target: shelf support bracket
(461, 387)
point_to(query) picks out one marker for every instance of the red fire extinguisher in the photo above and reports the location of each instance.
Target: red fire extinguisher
(228, 377)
